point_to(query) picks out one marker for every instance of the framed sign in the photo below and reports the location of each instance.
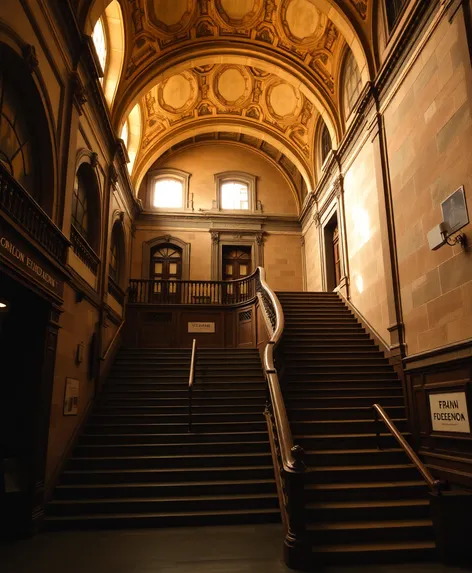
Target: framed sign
(454, 210)
(71, 397)
(208, 327)
(449, 412)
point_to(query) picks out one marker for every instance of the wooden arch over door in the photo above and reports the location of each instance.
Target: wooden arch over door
(164, 240)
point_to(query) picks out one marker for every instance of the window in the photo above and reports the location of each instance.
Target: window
(236, 191)
(168, 189)
(100, 43)
(326, 144)
(234, 195)
(85, 202)
(352, 83)
(116, 253)
(125, 134)
(168, 194)
(394, 9)
(16, 139)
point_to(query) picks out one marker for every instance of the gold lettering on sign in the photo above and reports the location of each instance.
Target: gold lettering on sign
(25, 260)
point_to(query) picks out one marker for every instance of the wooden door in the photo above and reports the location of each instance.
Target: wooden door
(166, 270)
(336, 257)
(236, 265)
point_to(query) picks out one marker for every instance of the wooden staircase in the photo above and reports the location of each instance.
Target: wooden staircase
(137, 465)
(362, 504)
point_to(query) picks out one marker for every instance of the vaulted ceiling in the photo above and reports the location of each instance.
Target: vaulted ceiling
(264, 69)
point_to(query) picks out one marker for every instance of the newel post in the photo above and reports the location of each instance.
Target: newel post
(296, 548)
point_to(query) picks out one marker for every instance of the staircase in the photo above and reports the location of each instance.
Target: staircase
(362, 504)
(137, 465)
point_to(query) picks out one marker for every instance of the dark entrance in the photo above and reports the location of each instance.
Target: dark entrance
(236, 265)
(333, 253)
(23, 329)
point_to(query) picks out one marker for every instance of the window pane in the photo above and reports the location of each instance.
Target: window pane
(234, 196)
(168, 194)
(158, 268)
(125, 134)
(243, 270)
(99, 41)
(173, 269)
(229, 270)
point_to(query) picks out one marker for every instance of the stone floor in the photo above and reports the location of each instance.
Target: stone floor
(241, 549)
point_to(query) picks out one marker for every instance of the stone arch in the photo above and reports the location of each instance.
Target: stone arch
(210, 126)
(19, 61)
(149, 245)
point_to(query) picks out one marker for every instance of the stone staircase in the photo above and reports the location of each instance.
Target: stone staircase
(362, 504)
(137, 465)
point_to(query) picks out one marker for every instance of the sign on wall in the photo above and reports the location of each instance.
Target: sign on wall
(208, 327)
(71, 397)
(449, 412)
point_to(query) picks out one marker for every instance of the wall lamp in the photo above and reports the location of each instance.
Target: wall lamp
(440, 235)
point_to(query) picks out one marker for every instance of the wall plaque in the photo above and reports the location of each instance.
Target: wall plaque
(454, 210)
(207, 327)
(449, 412)
(71, 397)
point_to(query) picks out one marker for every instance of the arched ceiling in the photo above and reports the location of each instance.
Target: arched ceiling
(264, 68)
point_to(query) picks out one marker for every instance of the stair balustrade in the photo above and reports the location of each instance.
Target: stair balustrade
(290, 464)
(153, 291)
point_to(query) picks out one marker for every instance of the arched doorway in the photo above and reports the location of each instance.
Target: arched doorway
(166, 270)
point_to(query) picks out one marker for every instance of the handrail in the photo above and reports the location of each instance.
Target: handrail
(291, 454)
(191, 380)
(434, 484)
(107, 351)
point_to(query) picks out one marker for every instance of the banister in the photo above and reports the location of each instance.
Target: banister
(291, 455)
(118, 330)
(434, 484)
(191, 380)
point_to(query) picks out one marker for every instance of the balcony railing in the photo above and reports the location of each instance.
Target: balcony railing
(83, 250)
(149, 291)
(24, 210)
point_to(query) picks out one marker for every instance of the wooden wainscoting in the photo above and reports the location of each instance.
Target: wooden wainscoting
(167, 326)
(448, 454)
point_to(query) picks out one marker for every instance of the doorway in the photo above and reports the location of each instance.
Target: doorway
(332, 253)
(237, 264)
(166, 271)
(23, 327)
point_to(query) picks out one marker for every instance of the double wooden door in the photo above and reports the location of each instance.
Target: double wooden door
(166, 271)
(236, 265)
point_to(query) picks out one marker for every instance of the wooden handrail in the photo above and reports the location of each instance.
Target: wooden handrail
(191, 381)
(104, 357)
(434, 484)
(291, 454)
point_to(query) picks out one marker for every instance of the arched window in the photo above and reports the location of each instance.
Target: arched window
(86, 206)
(168, 189)
(236, 191)
(117, 253)
(325, 143)
(108, 37)
(393, 9)
(17, 141)
(100, 42)
(352, 83)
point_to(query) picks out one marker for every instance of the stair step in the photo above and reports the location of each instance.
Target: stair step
(368, 491)
(172, 438)
(174, 488)
(360, 473)
(194, 518)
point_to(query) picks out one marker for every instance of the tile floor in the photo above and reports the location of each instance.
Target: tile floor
(227, 549)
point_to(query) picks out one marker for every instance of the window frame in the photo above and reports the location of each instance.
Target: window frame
(391, 26)
(175, 174)
(106, 35)
(347, 60)
(247, 179)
